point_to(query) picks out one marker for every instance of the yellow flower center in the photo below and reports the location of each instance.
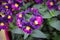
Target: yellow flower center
(4, 3)
(6, 7)
(28, 28)
(35, 22)
(16, 5)
(9, 17)
(20, 15)
(2, 24)
(51, 3)
(2, 15)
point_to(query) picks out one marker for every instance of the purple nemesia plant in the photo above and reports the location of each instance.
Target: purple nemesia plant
(35, 21)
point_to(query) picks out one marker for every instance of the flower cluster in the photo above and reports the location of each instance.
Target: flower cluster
(11, 4)
(5, 18)
(34, 22)
(6, 8)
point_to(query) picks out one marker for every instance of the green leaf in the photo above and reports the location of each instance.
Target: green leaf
(46, 15)
(57, 13)
(38, 34)
(55, 24)
(56, 36)
(16, 37)
(54, 13)
(40, 7)
(37, 6)
(25, 35)
(28, 17)
(26, 5)
(17, 31)
(12, 26)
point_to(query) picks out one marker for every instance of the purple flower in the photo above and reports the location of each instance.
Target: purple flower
(3, 25)
(36, 21)
(20, 1)
(9, 18)
(3, 0)
(20, 18)
(28, 10)
(20, 15)
(15, 7)
(38, 1)
(19, 23)
(51, 4)
(27, 27)
(58, 7)
(35, 11)
(27, 30)
(7, 6)
(10, 1)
